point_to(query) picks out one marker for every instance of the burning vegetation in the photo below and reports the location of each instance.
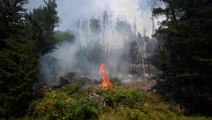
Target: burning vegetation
(106, 67)
(105, 77)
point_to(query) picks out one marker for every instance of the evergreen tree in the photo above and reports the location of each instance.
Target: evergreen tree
(18, 68)
(134, 52)
(11, 15)
(19, 60)
(42, 22)
(61, 36)
(95, 25)
(185, 40)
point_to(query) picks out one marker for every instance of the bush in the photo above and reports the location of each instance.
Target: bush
(72, 103)
(70, 88)
(116, 81)
(128, 97)
(59, 104)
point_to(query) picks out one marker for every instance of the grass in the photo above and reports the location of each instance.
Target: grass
(72, 103)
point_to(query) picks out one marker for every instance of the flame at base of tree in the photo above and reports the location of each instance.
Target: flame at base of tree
(106, 81)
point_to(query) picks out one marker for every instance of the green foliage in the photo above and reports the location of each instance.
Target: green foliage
(70, 88)
(41, 23)
(61, 36)
(63, 104)
(22, 39)
(19, 61)
(18, 69)
(184, 45)
(84, 110)
(127, 97)
(121, 104)
(116, 81)
(11, 16)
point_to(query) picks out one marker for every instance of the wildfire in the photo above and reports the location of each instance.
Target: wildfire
(106, 80)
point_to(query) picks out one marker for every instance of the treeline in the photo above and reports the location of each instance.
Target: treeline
(25, 37)
(184, 51)
(110, 34)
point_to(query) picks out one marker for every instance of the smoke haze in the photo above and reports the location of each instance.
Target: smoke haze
(98, 39)
(71, 10)
(96, 42)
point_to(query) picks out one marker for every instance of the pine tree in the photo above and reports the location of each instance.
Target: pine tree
(19, 68)
(42, 22)
(19, 60)
(11, 15)
(134, 52)
(185, 37)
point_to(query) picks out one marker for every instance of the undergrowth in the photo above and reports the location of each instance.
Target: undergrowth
(72, 103)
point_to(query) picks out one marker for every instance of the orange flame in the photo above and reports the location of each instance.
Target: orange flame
(106, 80)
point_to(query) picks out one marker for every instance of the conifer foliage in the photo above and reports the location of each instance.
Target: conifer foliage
(42, 22)
(19, 54)
(185, 47)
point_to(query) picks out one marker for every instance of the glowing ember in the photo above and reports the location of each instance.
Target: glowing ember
(106, 80)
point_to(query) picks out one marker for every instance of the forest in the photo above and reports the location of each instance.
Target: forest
(105, 67)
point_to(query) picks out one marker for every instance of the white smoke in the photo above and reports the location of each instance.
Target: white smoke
(90, 49)
(71, 10)
(130, 10)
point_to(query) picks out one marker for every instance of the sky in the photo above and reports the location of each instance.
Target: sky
(70, 11)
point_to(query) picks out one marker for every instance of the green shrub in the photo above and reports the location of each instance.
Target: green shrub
(70, 88)
(84, 110)
(72, 103)
(59, 104)
(116, 81)
(127, 97)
